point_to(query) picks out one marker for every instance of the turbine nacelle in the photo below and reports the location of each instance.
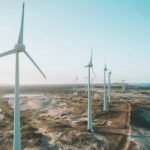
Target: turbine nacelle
(89, 65)
(19, 47)
(105, 69)
(109, 73)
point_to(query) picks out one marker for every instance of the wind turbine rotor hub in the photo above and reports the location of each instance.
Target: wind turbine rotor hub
(90, 65)
(19, 47)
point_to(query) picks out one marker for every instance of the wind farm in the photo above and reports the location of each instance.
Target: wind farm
(78, 103)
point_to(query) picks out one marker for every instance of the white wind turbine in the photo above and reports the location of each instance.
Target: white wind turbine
(105, 98)
(90, 66)
(109, 86)
(92, 86)
(19, 47)
(73, 88)
(123, 86)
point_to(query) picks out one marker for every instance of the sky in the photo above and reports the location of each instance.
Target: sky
(59, 35)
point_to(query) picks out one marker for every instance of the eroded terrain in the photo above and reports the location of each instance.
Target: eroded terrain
(56, 118)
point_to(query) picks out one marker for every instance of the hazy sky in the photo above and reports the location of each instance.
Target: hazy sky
(59, 35)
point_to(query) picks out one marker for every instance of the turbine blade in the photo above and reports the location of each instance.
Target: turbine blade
(8, 53)
(94, 74)
(86, 66)
(105, 64)
(35, 64)
(91, 57)
(20, 39)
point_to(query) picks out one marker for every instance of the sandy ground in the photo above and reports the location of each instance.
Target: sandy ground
(58, 120)
(32, 101)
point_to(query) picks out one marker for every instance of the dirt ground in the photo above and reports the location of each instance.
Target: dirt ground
(63, 124)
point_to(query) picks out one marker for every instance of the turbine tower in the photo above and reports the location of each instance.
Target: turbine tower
(109, 86)
(19, 47)
(90, 66)
(123, 86)
(92, 86)
(73, 86)
(105, 99)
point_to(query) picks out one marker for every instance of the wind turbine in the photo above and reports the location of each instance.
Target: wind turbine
(19, 47)
(92, 86)
(73, 86)
(90, 66)
(73, 83)
(109, 86)
(105, 99)
(123, 86)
